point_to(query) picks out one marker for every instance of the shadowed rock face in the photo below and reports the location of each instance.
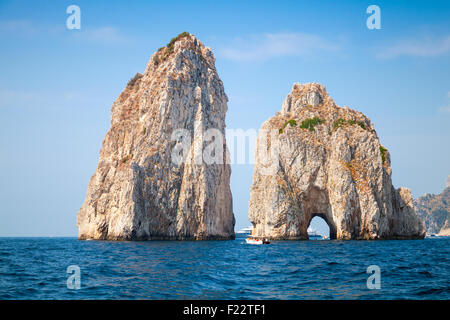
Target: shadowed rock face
(317, 159)
(137, 191)
(434, 210)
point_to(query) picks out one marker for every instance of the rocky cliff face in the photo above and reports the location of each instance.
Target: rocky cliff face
(315, 158)
(434, 210)
(148, 187)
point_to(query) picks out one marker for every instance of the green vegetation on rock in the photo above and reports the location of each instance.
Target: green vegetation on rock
(310, 123)
(126, 158)
(341, 122)
(383, 154)
(133, 80)
(171, 44)
(169, 48)
(338, 123)
(291, 122)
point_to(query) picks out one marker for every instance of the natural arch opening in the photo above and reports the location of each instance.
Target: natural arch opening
(319, 226)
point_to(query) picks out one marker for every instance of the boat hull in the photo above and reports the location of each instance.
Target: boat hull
(254, 241)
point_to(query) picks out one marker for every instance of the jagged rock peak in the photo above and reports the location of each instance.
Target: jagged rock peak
(303, 95)
(139, 190)
(315, 158)
(311, 100)
(447, 183)
(184, 46)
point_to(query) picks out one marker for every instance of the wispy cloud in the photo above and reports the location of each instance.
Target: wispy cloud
(272, 45)
(18, 27)
(444, 109)
(22, 98)
(102, 35)
(25, 99)
(421, 47)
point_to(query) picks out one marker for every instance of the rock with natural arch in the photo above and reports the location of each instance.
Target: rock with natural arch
(315, 158)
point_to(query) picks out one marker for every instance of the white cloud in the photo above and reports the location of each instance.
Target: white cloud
(271, 45)
(422, 47)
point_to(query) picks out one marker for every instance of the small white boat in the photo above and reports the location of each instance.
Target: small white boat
(247, 230)
(253, 241)
(257, 241)
(313, 234)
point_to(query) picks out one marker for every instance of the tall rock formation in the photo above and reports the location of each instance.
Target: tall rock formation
(315, 158)
(434, 210)
(151, 181)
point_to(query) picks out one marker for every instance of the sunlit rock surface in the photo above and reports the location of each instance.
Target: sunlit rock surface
(137, 192)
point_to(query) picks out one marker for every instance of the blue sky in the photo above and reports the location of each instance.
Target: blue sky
(57, 85)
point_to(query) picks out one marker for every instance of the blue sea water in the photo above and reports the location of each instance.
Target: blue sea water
(36, 268)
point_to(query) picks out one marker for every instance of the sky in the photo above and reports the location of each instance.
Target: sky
(57, 85)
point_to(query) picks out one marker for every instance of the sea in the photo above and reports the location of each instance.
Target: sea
(66, 268)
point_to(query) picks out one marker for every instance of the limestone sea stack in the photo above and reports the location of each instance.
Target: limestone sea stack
(315, 158)
(146, 186)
